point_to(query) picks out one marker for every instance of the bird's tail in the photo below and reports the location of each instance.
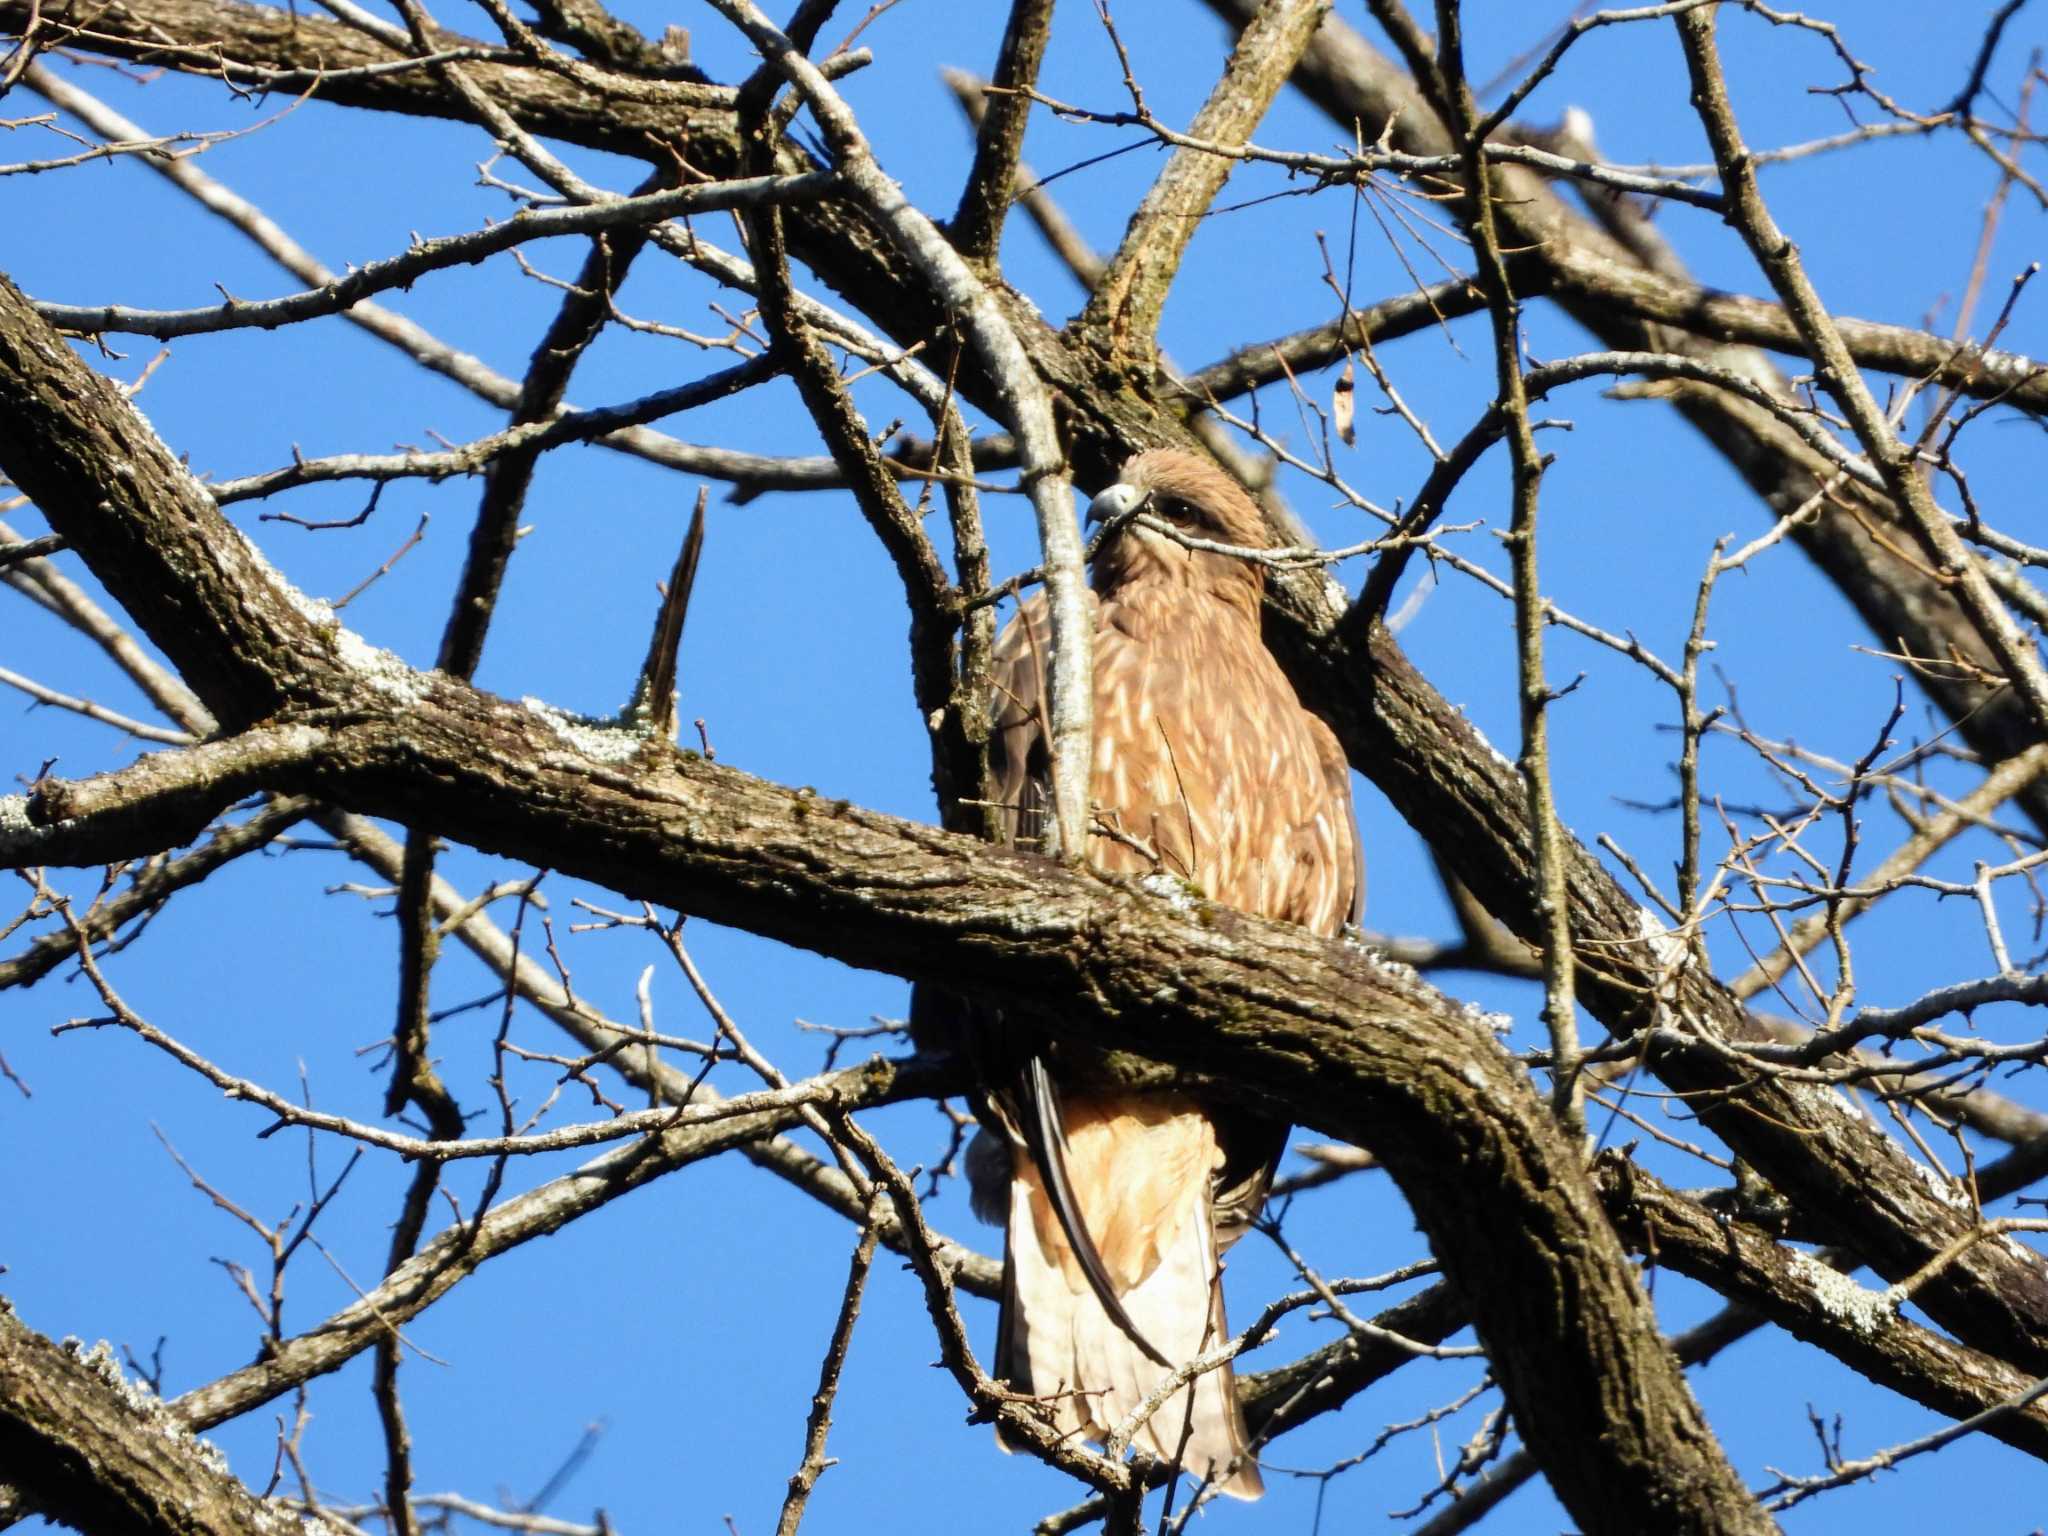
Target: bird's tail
(1142, 1174)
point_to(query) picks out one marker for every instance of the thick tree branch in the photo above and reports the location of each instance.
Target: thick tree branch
(1125, 306)
(100, 1454)
(977, 224)
(1117, 424)
(1861, 1328)
(1350, 1048)
(76, 447)
(1443, 776)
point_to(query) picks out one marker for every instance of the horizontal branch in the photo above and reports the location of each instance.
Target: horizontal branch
(440, 1264)
(749, 474)
(1901, 1022)
(161, 800)
(29, 549)
(1363, 164)
(1268, 362)
(782, 1106)
(434, 255)
(1355, 1049)
(141, 730)
(1277, 1400)
(1980, 373)
(248, 45)
(573, 426)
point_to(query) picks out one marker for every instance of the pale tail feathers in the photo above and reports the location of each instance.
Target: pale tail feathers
(1057, 1342)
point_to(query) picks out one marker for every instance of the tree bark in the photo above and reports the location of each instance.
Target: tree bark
(100, 1454)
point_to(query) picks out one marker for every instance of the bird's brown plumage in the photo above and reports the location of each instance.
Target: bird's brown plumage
(1206, 768)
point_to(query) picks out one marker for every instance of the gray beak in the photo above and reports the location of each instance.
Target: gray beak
(1114, 502)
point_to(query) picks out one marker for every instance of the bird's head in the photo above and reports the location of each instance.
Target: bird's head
(1191, 500)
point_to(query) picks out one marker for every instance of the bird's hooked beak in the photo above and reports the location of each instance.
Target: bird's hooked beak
(1119, 501)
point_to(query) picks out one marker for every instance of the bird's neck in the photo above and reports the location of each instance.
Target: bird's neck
(1174, 577)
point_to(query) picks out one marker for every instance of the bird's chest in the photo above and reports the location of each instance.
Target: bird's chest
(1198, 737)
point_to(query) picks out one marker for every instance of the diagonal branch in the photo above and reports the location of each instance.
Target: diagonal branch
(99, 1453)
(1023, 404)
(1351, 1048)
(578, 321)
(63, 428)
(1861, 1328)
(977, 224)
(446, 1259)
(1058, 231)
(401, 271)
(1958, 569)
(935, 606)
(1125, 306)
(153, 887)
(1652, 298)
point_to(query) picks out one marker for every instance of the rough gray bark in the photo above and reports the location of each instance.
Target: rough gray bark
(102, 1455)
(1811, 1301)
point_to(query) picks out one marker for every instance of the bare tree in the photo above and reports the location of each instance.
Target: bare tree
(1775, 1039)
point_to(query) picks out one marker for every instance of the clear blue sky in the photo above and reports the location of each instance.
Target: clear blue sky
(688, 1318)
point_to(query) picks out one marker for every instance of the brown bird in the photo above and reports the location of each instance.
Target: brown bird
(1118, 1204)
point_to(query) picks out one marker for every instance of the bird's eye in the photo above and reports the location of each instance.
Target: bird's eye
(1173, 509)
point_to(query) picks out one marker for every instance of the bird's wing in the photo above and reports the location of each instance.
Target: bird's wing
(1345, 901)
(1021, 767)
(1019, 758)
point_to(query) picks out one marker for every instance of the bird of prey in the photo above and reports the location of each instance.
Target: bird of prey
(1119, 1203)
